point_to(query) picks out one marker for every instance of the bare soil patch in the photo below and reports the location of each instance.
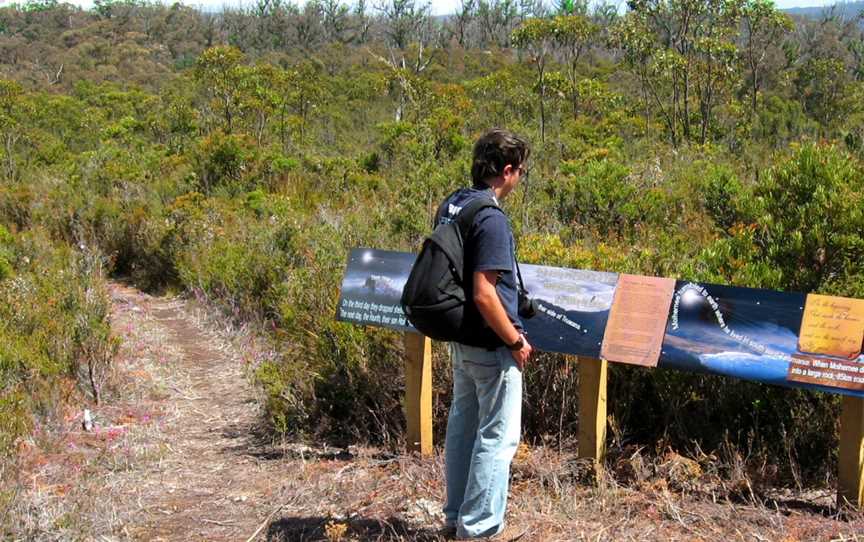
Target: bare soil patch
(178, 454)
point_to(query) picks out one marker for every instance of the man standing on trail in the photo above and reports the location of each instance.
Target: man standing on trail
(485, 415)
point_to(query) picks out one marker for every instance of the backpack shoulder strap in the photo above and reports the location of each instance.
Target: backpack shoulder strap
(465, 218)
(440, 212)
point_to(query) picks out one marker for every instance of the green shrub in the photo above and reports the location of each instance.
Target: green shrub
(228, 162)
(5, 267)
(5, 253)
(54, 332)
(605, 198)
(724, 197)
(780, 121)
(598, 195)
(259, 218)
(811, 220)
(15, 420)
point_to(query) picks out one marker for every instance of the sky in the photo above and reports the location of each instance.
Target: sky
(439, 7)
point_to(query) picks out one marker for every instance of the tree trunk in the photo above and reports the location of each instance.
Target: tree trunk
(541, 68)
(228, 116)
(686, 108)
(10, 166)
(574, 95)
(755, 91)
(282, 128)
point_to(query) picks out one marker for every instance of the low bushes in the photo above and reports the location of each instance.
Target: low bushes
(263, 229)
(55, 342)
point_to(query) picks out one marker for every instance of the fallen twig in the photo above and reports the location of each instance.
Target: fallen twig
(372, 465)
(183, 395)
(264, 524)
(220, 523)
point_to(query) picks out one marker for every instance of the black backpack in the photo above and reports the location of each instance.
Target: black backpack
(436, 296)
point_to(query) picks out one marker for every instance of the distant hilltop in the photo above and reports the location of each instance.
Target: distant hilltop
(846, 10)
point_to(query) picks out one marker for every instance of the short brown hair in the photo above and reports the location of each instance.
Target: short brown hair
(494, 150)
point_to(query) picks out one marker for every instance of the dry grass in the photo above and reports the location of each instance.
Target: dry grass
(178, 455)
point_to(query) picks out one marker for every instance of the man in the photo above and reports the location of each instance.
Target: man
(485, 415)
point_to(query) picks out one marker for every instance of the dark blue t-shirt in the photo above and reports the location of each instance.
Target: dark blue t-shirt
(489, 246)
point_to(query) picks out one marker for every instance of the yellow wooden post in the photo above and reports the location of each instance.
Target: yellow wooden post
(851, 454)
(418, 392)
(592, 410)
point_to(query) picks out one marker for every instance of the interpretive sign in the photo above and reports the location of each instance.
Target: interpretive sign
(573, 307)
(787, 339)
(746, 333)
(827, 372)
(372, 287)
(833, 326)
(634, 333)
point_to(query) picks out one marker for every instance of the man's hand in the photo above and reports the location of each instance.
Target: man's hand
(521, 356)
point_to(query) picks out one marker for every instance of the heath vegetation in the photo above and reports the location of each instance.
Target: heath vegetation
(239, 155)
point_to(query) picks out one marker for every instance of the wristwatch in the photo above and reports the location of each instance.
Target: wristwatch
(520, 342)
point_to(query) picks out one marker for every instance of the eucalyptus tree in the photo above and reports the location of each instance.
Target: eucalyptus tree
(716, 68)
(856, 49)
(824, 90)
(336, 21)
(496, 20)
(269, 24)
(821, 69)
(571, 7)
(308, 24)
(361, 23)
(763, 25)
(14, 109)
(604, 13)
(403, 21)
(683, 52)
(265, 94)
(220, 73)
(536, 36)
(573, 35)
(632, 36)
(464, 20)
(408, 31)
(305, 92)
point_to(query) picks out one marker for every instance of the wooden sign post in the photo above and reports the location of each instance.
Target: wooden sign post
(851, 453)
(418, 393)
(592, 411)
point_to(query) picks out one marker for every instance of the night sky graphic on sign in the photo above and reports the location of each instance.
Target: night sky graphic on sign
(372, 287)
(744, 333)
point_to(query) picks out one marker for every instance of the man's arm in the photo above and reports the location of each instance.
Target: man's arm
(490, 307)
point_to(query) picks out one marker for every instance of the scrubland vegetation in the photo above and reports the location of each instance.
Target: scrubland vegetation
(239, 156)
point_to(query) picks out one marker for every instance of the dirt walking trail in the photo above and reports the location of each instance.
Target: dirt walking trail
(211, 481)
(177, 453)
(216, 475)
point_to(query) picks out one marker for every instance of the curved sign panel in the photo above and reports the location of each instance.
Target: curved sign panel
(787, 339)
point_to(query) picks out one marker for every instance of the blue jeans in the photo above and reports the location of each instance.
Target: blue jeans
(482, 436)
